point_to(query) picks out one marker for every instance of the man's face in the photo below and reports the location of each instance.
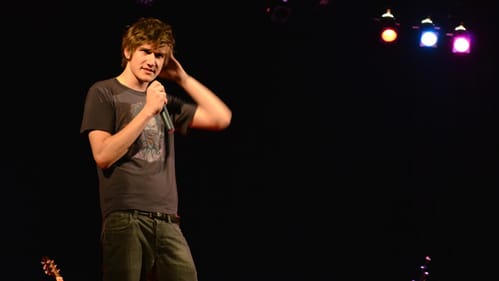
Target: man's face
(147, 61)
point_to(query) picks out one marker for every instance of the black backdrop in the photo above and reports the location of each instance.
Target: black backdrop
(345, 159)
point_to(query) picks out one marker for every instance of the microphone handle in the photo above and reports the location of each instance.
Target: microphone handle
(168, 121)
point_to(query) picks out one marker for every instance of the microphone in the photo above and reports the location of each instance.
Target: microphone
(166, 118)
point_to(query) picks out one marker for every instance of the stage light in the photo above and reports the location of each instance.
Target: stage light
(145, 3)
(429, 33)
(461, 40)
(389, 27)
(279, 12)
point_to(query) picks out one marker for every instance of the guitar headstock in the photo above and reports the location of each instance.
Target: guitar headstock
(50, 268)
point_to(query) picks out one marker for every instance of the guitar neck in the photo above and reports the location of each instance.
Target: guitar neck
(50, 268)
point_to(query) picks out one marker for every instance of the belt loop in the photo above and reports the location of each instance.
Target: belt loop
(169, 218)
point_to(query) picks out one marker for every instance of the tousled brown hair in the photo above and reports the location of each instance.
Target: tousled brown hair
(146, 31)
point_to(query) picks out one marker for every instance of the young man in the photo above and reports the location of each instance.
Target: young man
(126, 119)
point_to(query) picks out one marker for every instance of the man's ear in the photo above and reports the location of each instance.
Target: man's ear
(126, 52)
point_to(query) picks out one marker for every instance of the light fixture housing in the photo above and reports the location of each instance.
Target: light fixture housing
(461, 40)
(389, 32)
(429, 34)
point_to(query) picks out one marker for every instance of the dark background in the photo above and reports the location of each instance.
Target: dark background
(346, 159)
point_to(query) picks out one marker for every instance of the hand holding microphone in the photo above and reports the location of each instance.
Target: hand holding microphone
(159, 90)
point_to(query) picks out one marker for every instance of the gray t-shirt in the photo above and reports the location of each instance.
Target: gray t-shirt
(144, 178)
